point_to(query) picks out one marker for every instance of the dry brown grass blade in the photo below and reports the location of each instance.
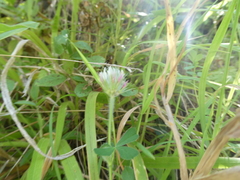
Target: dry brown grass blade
(172, 61)
(171, 55)
(231, 130)
(169, 81)
(123, 121)
(181, 154)
(228, 174)
(47, 164)
(171, 124)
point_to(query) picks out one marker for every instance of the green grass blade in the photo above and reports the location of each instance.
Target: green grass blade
(218, 38)
(221, 102)
(139, 167)
(36, 166)
(56, 21)
(14, 144)
(37, 41)
(29, 7)
(60, 124)
(6, 30)
(74, 20)
(90, 132)
(210, 56)
(192, 162)
(50, 129)
(70, 165)
(150, 25)
(90, 67)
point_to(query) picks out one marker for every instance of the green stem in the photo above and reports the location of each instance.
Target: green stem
(110, 118)
(110, 129)
(114, 134)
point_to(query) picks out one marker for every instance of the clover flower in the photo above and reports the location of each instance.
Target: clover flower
(113, 81)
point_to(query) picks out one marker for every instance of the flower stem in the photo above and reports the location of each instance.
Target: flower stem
(110, 118)
(110, 130)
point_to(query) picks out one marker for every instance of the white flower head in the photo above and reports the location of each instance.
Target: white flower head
(113, 81)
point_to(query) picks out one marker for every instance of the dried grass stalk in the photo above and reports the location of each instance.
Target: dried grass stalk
(231, 130)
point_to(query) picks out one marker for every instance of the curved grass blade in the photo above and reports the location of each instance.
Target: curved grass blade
(9, 30)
